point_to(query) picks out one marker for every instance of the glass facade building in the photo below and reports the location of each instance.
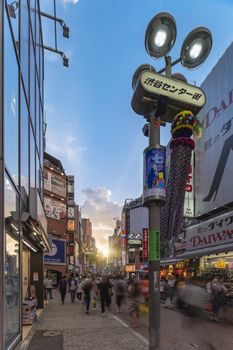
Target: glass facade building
(23, 222)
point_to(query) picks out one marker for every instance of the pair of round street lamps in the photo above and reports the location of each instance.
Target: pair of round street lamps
(161, 36)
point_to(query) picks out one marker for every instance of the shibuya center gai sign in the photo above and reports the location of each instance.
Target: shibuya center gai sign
(217, 231)
(171, 88)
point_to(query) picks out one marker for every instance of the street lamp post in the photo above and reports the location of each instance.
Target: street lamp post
(159, 98)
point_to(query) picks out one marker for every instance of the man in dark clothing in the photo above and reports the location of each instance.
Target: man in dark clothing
(86, 287)
(62, 288)
(105, 288)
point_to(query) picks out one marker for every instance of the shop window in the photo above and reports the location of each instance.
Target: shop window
(11, 116)
(12, 275)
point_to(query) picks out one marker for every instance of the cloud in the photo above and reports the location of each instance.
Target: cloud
(99, 207)
(65, 2)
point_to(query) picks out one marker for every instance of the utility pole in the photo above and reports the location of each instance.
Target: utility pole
(154, 251)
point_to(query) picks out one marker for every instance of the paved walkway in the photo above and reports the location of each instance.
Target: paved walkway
(79, 331)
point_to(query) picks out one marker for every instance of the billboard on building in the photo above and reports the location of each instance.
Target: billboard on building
(58, 253)
(54, 209)
(214, 150)
(213, 232)
(138, 220)
(47, 180)
(54, 183)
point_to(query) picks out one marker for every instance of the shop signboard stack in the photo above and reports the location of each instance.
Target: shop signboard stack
(29, 307)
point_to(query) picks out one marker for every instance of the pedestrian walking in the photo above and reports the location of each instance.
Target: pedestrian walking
(218, 291)
(79, 289)
(134, 295)
(62, 288)
(105, 288)
(86, 287)
(94, 293)
(48, 284)
(72, 287)
(120, 291)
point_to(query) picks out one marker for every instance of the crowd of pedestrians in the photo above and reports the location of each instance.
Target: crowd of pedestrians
(134, 293)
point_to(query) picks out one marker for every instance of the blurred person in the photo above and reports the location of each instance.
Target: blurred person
(105, 288)
(72, 287)
(134, 295)
(218, 291)
(94, 293)
(120, 291)
(145, 288)
(163, 287)
(48, 284)
(86, 287)
(62, 288)
(172, 286)
(79, 289)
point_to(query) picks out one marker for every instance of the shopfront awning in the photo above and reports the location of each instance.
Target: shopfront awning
(223, 248)
(171, 261)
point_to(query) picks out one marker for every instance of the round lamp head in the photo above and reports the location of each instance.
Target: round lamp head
(138, 71)
(196, 47)
(160, 35)
(180, 77)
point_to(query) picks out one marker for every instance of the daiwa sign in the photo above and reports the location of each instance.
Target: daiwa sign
(217, 231)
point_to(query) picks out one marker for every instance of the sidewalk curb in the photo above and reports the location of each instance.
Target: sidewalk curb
(141, 337)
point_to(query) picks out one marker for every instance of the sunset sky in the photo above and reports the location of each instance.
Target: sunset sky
(91, 126)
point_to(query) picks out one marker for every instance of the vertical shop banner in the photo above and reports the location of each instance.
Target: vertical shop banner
(145, 244)
(154, 245)
(154, 173)
(58, 253)
(189, 192)
(214, 150)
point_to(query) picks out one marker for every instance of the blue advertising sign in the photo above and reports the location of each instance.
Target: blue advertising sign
(154, 173)
(58, 253)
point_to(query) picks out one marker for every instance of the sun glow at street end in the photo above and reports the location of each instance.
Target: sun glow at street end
(103, 249)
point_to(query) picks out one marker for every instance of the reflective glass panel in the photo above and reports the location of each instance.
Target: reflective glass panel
(12, 276)
(24, 143)
(11, 119)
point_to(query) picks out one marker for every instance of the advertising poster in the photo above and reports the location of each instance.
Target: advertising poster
(214, 150)
(58, 253)
(54, 209)
(154, 172)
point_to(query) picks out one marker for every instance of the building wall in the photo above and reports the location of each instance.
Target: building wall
(22, 115)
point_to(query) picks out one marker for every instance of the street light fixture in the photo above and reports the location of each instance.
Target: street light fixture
(160, 35)
(159, 98)
(196, 47)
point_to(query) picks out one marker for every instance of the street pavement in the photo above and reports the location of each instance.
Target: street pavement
(77, 330)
